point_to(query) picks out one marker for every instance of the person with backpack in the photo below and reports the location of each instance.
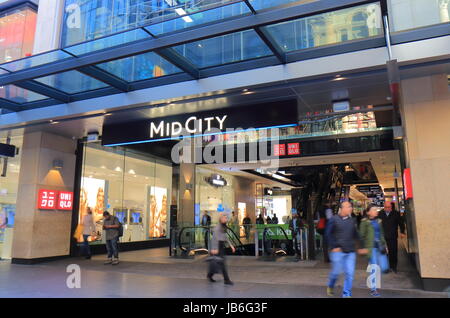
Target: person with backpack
(113, 230)
(372, 235)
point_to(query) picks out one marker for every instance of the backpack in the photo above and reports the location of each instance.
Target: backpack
(120, 229)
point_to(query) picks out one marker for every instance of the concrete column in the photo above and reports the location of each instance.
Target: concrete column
(43, 233)
(186, 214)
(48, 26)
(426, 117)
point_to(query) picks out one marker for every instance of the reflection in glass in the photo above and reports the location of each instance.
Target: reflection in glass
(140, 67)
(405, 15)
(107, 42)
(263, 4)
(87, 20)
(35, 60)
(213, 15)
(328, 28)
(17, 29)
(71, 82)
(224, 49)
(19, 95)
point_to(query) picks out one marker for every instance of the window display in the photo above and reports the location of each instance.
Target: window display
(132, 186)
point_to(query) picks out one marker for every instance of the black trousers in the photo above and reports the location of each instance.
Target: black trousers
(223, 267)
(392, 246)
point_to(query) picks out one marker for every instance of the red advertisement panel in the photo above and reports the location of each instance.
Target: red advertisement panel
(65, 200)
(294, 148)
(47, 199)
(407, 183)
(279, 150)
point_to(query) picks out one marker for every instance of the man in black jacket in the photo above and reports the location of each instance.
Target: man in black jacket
(392, 221)
(341, 235)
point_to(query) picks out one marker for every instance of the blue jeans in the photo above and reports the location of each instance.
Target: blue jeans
(86, 249)
(112, 248)
(342, 262)
(377, 259)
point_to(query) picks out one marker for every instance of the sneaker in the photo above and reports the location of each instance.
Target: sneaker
(374, 293)
(228, 282)
(330, 292)
(115, 262)
(109, 261)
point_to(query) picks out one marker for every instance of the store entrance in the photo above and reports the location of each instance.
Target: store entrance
(276, 212)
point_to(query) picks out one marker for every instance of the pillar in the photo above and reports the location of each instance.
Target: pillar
(426, 117)
(43, 234)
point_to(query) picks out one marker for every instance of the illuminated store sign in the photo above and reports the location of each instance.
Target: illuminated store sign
(214, 122)
(54, 200)
(192, 125)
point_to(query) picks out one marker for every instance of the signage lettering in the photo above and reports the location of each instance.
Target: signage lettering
(55, 200)
(193, 125)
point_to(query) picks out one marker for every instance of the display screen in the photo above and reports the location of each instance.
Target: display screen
(135, 217)
(121, 216)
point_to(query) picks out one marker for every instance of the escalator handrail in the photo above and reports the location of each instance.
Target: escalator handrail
(276, 226)
(235, 236)
(207, 228)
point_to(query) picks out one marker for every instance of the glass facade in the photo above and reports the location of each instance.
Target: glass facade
(328, 28)
(224, 49)
(86, 20)
(19, 95)
(136, 188)
(71, 82)
(17, 29)
(412, 14)
(9, 185)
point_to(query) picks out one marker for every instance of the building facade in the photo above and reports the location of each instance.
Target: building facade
(82, 82)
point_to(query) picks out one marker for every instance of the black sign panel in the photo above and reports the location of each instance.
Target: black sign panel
(7, 150)
(265, 115)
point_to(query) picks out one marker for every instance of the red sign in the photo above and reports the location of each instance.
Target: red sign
(294, 148)
(47, 199)
(279, 150)
(65, 200)
(407, 184)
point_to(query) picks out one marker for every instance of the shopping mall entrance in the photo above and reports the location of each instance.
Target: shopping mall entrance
(278, 164)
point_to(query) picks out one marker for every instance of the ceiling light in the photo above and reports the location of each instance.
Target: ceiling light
(118, 169)
(131, 171)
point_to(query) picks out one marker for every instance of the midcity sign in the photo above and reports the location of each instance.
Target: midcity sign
(192, 125)
(218, 121)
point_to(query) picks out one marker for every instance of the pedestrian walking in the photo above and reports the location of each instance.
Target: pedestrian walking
(111, 226)
(392, 222)
(341, 234)
(218, 250)
(88, 231)
(372, 237)
(246, 222)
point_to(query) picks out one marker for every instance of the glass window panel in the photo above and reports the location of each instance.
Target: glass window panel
(224, 49)
(411, 14)
(140, 67)
(17, 30)
(213, 15)
(71, 82)
(110, 41)
(19, 95)
(328, 28)
(264, 4)
(35, 60)
(86, 20)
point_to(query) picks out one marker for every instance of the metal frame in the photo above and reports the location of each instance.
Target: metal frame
(163, 46)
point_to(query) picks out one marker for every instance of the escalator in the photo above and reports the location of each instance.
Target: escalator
(276, 242)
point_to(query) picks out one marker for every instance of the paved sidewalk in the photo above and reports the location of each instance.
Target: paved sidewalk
(154, 274)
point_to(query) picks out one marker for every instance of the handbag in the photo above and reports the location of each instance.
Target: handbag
(215, 263)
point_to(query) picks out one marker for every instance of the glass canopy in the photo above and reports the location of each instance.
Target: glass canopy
(195, 42)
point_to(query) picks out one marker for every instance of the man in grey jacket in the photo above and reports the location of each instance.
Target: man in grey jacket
(111, 226)
(218, 248)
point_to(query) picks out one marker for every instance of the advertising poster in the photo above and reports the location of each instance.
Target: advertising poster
(158, 212)
(92, 194)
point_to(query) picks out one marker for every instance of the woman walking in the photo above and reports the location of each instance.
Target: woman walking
(372, 237)
(218, 250)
